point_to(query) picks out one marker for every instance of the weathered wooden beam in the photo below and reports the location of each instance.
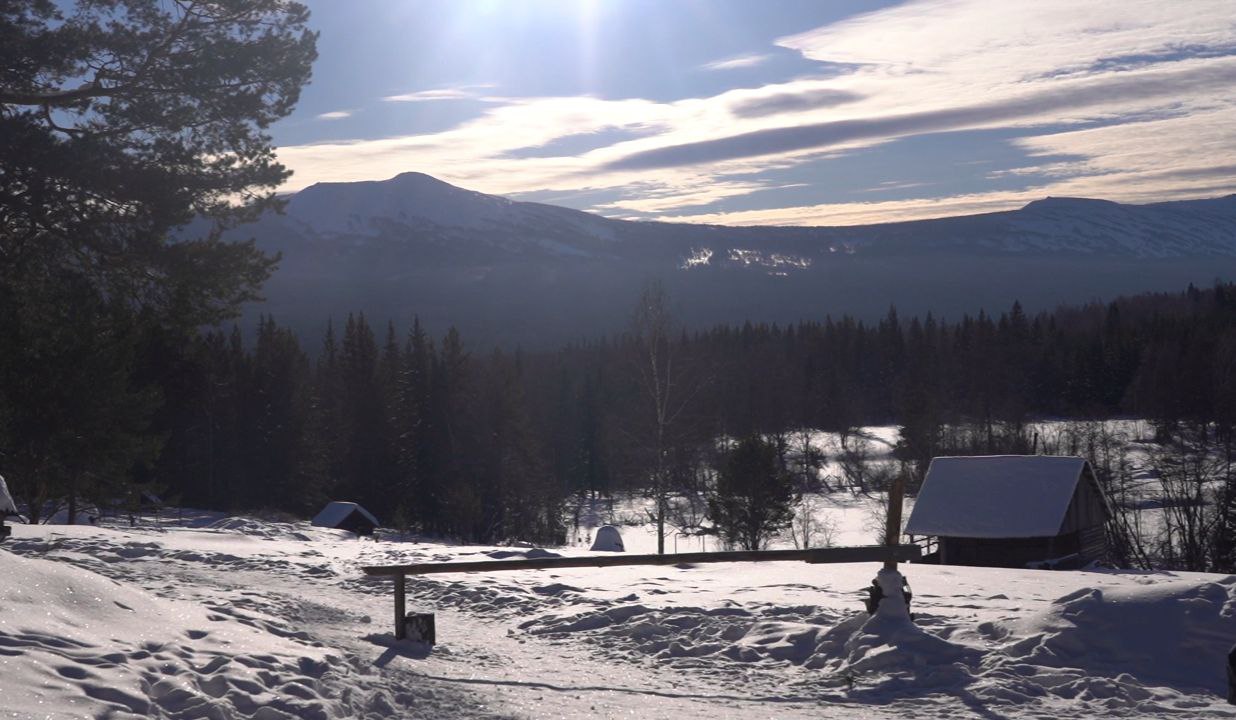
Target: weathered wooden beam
(865, 553)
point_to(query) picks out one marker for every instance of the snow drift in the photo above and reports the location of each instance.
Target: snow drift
(74, 642)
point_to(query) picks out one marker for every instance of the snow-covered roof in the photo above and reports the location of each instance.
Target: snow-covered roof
(335, 512)
(995, 496)
(6, 500)
(608, 539)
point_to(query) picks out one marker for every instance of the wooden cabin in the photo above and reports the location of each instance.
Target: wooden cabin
(1011, 511)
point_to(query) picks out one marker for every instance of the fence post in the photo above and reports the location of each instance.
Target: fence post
(401, 614)
(892, 533)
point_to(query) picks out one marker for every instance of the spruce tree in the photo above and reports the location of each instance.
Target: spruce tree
(753, 497)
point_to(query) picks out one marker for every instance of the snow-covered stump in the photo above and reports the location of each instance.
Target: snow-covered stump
(892, 603)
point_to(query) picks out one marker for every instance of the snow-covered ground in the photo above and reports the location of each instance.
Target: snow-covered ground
(240, 618)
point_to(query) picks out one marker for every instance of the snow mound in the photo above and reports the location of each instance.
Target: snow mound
(82, 645)
(889, 656)
(1170, 634)
(257, 528)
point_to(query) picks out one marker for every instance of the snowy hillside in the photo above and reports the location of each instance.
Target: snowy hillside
(1160, 230)
(234, 617)
(528, 274)
(413, 204)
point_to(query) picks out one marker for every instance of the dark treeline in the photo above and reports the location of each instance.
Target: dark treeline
(420, 432)
(434, 436)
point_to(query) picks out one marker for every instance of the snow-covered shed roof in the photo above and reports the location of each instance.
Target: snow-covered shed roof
(6, 500)
(335, 513)
(608, 539)
(995, 496)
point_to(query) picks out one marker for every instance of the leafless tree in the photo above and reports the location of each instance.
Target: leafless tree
(861, 473)
(810, 528)
(667, 388)
(1192, 476)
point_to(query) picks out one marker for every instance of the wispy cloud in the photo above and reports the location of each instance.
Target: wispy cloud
(739, 61)
(336, 115)
(461, 92)
(862, 213)
(787, 102)
(1134, 94)
(1123, 92)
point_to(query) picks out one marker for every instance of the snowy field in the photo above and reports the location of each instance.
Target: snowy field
(214, 617)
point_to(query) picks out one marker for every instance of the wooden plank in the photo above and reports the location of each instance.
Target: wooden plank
(865, 553)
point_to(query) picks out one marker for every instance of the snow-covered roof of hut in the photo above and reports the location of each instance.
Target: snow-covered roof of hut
(995, 496)
(6, 500)
(608, 539)
(335, 513)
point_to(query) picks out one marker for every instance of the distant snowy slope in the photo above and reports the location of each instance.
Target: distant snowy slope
(413, 202)
(1060, 227)
(1171, 229)
(522, 273)
(416, 206)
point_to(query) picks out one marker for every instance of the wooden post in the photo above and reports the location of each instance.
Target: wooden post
(892, 533)
(401, 614)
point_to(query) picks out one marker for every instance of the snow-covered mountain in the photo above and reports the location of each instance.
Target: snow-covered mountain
(529, 272)
(414, 205)
(1100, 227)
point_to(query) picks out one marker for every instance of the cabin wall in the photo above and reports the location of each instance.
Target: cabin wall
(1088, 545)
(1093, 544)
(995, 552)
(1086, 508)
(357, 523)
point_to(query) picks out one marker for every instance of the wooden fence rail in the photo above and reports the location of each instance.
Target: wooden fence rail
(866, 553)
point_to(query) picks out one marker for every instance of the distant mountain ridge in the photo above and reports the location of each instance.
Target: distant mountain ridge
(414, 201)
(523, 271)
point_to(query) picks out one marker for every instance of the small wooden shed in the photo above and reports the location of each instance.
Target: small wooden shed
(1012, 511)
(346, 516)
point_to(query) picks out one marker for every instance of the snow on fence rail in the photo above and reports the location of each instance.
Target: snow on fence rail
(864, 553)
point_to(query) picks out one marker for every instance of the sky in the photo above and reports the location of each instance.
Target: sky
(779, 112)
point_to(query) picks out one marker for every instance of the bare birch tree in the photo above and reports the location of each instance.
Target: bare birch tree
(666, 390)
